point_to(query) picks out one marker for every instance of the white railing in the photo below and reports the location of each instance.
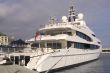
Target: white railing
(58, 24)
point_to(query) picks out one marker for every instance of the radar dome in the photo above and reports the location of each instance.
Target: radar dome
(80, 16)
(64, 19)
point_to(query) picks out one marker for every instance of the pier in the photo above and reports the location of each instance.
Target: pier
(15, 69)
(106, 50)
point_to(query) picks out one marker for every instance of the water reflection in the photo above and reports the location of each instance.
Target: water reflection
(106, 62)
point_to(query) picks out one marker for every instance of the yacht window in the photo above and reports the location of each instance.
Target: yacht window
(54, 45)
(99, 42)
(69, 44)
(85, 46)
(84, 36)
(93, 35)
(49, 45)
(69, 33)
(64, 32)
(59, 45)
(53, 33)
(42, 45)
(35, 45)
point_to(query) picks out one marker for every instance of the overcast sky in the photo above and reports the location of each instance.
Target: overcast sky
(21, 18)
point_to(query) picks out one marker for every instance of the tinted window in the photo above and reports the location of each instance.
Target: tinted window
(84, 36)
(85, 46)
(54, 45)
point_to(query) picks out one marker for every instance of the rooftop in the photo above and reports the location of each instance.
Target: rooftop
(2, 34)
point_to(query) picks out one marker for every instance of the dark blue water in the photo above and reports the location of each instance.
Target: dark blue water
(101, 65)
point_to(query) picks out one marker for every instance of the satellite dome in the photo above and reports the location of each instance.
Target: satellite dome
(64, 19)
(80, 16)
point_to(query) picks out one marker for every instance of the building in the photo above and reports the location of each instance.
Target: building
(18, 43)
(4, 39)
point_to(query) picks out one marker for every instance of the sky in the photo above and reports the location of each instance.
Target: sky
(22, 18)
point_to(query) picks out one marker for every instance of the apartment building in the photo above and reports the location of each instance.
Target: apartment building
(4, 39)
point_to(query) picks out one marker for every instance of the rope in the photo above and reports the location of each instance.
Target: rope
(56, 63)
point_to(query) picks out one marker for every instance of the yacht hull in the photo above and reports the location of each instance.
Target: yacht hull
(62, 59)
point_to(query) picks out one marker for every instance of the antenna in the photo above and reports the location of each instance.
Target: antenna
(72, 14)
(52, 20)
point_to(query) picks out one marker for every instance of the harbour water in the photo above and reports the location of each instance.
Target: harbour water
(102, 65)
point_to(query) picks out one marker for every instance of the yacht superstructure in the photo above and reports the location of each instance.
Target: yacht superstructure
(63, 44)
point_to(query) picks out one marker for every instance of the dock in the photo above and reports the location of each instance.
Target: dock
(15, 69)
(106, 50)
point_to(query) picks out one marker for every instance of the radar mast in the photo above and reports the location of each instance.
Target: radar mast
(72, 14)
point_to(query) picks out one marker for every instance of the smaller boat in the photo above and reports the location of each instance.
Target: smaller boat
(4, 60)
(2, 55)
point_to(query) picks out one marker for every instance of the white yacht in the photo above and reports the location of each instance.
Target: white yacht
(69, 42)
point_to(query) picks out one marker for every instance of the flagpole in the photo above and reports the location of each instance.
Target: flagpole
(38, 36)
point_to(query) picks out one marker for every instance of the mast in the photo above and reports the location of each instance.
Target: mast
(72, 14)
